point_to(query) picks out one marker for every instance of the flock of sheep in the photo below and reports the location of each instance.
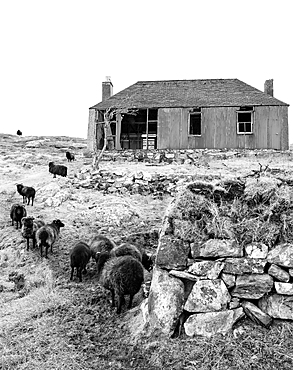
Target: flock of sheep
(120, 268)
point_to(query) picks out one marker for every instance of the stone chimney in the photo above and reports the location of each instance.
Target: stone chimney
(107, 89)
(269, 87)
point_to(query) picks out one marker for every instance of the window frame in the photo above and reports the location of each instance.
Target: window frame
(245, 110)
(195, 112)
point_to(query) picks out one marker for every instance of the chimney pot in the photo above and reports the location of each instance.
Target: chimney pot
(107, 89)
(269, 87)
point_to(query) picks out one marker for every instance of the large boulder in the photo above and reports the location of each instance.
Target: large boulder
(207, 296)
(206, 269)
(244, 265)
(277, 306)
(165, 302)
(172, 253)
(282, 255)
(217, 248)
(256, 314)
(211, 323)
(252, 286)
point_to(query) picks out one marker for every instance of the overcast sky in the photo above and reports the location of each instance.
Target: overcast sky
(55, 54)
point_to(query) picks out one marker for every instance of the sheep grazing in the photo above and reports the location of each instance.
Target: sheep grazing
(47, 235)
(57, 169)
(70, 156)
(126, 249)
(30, 225)
(132, 250)
(17, 212)
(122, 276)
(18, 132)
(28, 193)
(100, 243)
(79, 258)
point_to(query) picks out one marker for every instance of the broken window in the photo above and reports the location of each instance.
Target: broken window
(245, 120)
(195, 122)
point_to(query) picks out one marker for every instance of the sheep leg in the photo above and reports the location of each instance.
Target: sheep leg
(46, 255)
(72, 270)
(113, 297)
(41, 247)
(130, 301)
(27, 244)
(79, 269)
(119, 303)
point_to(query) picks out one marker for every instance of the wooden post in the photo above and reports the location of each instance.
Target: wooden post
(118, 131)
(147, 129)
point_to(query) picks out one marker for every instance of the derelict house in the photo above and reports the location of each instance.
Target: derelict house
(191, 114)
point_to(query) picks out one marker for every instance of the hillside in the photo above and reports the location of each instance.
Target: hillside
(50, 322)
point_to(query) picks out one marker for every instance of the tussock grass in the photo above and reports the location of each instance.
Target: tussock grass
(19, 310)
(248, 210)
(247, 347)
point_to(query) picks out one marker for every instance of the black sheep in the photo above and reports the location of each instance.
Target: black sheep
(79, 258)
(122, 276)
(57, 169)
(132, 250)
(17, 212)
(100, 243)
(28, 193)
(47, 235)
(126, 249)
(18, 132)
(70, 156)
(30, 225)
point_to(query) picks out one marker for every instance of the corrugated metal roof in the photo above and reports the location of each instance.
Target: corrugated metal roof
(188, 93)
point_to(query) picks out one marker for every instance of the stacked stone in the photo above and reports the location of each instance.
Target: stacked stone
(143, 183)
(180, 156)
(205, 287)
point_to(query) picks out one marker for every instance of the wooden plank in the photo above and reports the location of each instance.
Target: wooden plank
(284, 127)
(260, 127)
(168, 128)
(118, 132)
(174, 128)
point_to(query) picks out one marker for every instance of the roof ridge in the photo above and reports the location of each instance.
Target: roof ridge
(189, 80)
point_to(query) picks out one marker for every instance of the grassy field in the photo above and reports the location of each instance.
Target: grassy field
(49, 322)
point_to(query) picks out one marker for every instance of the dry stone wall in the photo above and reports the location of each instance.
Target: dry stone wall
(225, 252)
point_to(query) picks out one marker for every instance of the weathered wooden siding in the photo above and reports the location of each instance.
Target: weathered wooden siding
(219, 129)
(91, 131)
(169, 124)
